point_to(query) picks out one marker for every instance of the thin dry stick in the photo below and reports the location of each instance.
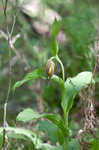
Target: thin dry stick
(11, 44)
(4, 6)
(41, 105)
(8, 37)
(9, 86)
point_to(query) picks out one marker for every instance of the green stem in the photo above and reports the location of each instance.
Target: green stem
(66, 120)
(66, 144)
(60, 62)
(63, 72)
(66, 134)
(52, 58)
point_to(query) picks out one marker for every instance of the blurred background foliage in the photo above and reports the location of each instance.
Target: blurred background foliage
(78, 39)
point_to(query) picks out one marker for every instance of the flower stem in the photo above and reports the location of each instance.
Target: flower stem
(63, 73)
(60, 62)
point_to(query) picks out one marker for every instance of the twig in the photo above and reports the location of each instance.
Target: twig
(11, 44)
(9, 86)
(14, 20)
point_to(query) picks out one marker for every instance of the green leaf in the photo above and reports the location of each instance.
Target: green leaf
(58, 80)
(95, 145)
(60, 137)
(36, 74)
(71, 88)
(49, 129)
(22, 134)
(50, 147)
(17, 136)
(74, 145)
(30, 135)
(96, 80)
(56, 119)
(29, 114)
(55, 46)
(1, 139)
(55, 28)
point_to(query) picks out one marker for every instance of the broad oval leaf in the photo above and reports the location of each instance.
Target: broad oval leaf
(36, 74)
(71, 88)
(29, 114)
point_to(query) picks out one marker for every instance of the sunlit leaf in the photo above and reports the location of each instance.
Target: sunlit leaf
(28, 115)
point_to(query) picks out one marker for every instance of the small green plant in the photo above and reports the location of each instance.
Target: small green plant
(69, 89)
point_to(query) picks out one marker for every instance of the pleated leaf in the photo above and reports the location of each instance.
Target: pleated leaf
(72, 87)
(36, 74)
(29, 114)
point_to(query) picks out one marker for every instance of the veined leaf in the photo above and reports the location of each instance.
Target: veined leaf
(36, 74)
(71, 88)
(29, 114)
